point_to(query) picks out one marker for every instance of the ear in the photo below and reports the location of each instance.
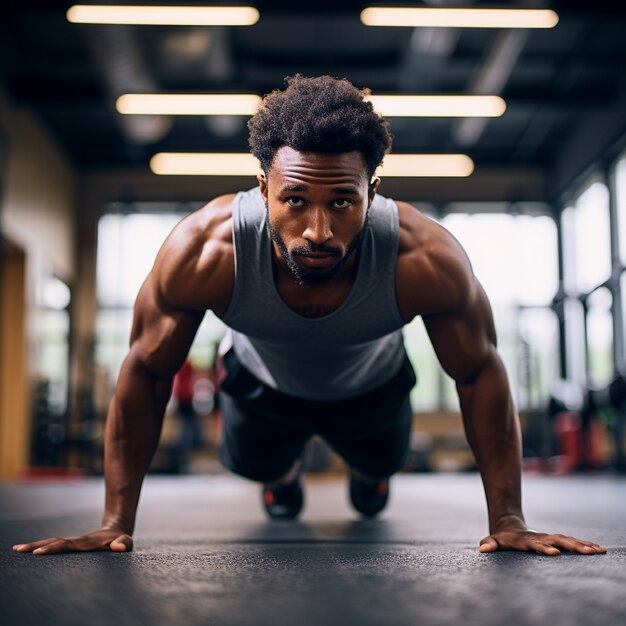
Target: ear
(262, 180)
(373, 188)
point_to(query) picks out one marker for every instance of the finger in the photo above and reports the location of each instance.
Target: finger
(123, 543)
(572, 544)
(598, 548)
(488, 544)
(29, 547)
(543, 548)
(61, 545)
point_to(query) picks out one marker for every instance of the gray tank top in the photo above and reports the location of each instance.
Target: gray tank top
(354, 349)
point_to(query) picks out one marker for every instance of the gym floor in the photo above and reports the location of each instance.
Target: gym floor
(205, 554)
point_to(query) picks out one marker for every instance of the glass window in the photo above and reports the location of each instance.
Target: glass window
(514, 257)
(127, 247)
(52, 330)
(592, 238)
(620, 188)
(539, 356)
(51, 326)
(535, 259)
(425, 395)
(623, 300)
(575, 341)
(568, 238)
(600, 337)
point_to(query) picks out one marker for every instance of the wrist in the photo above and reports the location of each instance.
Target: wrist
(112, 521)
(507, 521)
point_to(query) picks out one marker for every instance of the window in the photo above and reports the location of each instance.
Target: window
(620, 188)
(127, 247)
(592, 237)
(575, 341)
(50, 406)
(623, 302)
(515, 258)
(538, 341)
(587, 265)
(53, 330)
(600, 337)
(568, 239)
(425, 395)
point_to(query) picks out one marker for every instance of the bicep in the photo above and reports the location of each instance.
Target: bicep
(161, 335)
(464, 339)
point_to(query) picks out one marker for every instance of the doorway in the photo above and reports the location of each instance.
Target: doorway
(14, 422)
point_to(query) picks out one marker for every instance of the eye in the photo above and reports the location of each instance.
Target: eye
(295, 202)
(342, 204)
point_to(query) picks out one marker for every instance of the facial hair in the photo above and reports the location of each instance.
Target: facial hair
(312, 279)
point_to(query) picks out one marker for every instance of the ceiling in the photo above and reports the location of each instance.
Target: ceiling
(557, 83)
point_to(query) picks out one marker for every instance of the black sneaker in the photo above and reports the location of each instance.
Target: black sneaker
(369, 498)
(284, 501)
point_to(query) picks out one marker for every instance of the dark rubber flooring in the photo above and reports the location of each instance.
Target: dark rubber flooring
(205, 555)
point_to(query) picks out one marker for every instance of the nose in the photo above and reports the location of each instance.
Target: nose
(318, 228)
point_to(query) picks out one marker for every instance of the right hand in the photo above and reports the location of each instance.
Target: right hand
(109, 538)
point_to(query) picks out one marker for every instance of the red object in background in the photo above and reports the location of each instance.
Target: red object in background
(577, 450)
(182, 388)
(44, 474)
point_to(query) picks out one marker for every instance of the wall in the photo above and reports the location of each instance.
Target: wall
(37, 220)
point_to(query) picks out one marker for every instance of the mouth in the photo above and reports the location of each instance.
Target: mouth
(317, 260)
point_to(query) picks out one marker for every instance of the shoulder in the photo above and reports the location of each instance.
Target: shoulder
(433, 271)
(195, 266)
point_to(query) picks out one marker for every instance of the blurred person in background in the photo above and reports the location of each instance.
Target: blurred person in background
(183, 390)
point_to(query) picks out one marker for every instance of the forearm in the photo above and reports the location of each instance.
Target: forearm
(493, 432)
(132, 434)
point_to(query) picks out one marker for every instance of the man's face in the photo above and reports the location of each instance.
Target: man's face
(317, 207)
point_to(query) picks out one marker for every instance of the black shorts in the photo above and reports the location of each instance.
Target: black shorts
(265, 431)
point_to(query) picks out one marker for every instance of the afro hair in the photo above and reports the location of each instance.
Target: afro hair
(320, 114)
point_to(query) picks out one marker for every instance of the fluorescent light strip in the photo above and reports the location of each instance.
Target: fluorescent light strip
(459, 18)
(246, 104)
(162, 15)
(204, 164)
(425, 165)
(187, 104)
(438, 106)
(244, 164)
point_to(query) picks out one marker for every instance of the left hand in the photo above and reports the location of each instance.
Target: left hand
(517, 536)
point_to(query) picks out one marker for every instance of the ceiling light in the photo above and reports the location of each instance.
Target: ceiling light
(246, 104)
(187, 104)
(244, 164)
(162, 15)
(438, 106)
(413, 165)
(205, 164)
(459, 18)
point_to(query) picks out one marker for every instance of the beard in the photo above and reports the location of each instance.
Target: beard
(315, 278)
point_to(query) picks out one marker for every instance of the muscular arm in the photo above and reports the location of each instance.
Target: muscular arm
(459, 322)
(465, 344)
(160, 340)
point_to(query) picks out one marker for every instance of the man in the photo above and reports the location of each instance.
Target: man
(315, 274)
